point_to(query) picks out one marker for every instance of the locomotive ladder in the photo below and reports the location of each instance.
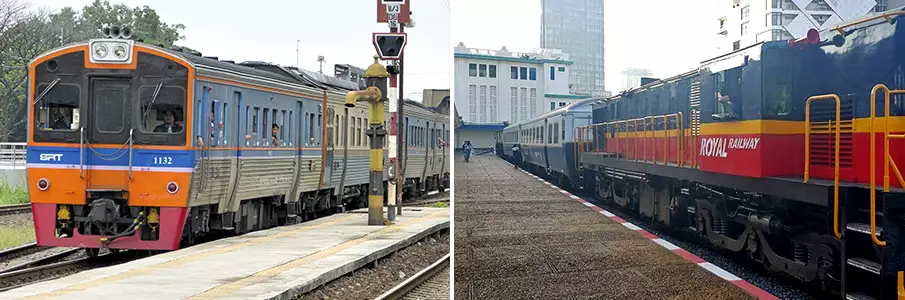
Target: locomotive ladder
(807, 150)
(887, 159)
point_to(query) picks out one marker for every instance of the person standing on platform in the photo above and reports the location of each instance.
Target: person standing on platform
(516, 155)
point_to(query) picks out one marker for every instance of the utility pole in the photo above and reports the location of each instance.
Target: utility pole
(297, 54)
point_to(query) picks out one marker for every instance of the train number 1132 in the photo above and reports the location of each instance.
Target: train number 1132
(163, 160)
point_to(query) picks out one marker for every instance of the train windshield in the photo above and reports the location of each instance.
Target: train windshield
(777, 82)
(58, 109)
(163, 113)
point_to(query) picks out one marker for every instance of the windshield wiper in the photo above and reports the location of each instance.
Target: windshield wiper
(153, 98)
(47, 89)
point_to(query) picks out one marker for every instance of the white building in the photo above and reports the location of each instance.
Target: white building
(741, 23)
(631, 77)
(501, 86)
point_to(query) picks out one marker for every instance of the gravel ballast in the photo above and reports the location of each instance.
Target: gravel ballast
(369, 282)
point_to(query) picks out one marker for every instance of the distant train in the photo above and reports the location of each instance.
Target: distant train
(133, 146)
(785, 151)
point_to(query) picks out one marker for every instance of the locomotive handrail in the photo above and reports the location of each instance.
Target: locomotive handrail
(888, 16)
(81, 151)
(130, 154)
(807, 152)
(887, 158)
(633, 133)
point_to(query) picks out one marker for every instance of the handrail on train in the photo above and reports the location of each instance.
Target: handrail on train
(889, 16)
(807, 151)
(887, 161)
(633, 133)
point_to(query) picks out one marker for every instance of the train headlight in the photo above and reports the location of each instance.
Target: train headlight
(119, 51)
(102, 48)
(172, 187)
(43, 184)
(100, 51)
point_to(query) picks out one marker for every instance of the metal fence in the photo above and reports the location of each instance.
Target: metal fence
(12, 154)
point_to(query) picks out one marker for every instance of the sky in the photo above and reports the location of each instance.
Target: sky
(667, 36)
(340, 30)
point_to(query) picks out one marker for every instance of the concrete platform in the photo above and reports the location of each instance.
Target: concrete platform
(520, 237)
(272, 264)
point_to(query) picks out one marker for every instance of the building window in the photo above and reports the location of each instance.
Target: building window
(514, 71)
(744, 28)
(552, 106)
(777, 4)
(533, 102)
(513, 107)
(483, 106)
(552, 73)
(775, 19)
(561, 104)
(491, 71)
(745, 12)
(523, 73)
(532, 74)
(524, 104)
(736, 45)
(818, 5)
(473, 70)
(882, 5)
(493, 108)
(472, 103)
(482, 70)
(562, 69)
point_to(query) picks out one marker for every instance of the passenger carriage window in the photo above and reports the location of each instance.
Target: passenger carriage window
(264, 122)
(367, 137)
(215, 119)
(254, 126)
(311, 127)
(164, 113)
(320, 124)
(247, 123)
(563, 138)
(289, 130)
(304, 140)
(224, 119)
(59, 108)
(283, 129)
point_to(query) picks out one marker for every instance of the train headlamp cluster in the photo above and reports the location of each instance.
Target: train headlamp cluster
(111, 51)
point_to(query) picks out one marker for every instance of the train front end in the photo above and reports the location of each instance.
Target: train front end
(109, 146)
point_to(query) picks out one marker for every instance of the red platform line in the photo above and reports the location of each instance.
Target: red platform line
(753, 290)
(688, 256)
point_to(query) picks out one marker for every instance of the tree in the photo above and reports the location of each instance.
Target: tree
(25, 34)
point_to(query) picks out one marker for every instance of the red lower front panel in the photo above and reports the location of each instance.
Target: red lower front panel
(171, 224)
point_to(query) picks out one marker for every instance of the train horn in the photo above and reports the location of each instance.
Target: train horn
(125, 33)
(115, 32)
(106, 31)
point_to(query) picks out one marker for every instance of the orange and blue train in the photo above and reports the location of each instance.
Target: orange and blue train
(787, 151)
(136, 146)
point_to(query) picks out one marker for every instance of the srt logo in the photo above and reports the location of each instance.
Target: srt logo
(51, 157)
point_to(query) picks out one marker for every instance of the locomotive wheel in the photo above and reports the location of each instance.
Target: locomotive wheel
(92, 252)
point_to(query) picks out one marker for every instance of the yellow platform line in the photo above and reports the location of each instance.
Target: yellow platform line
(232, 287)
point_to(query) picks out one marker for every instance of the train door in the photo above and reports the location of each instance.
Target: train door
(328, 141)
(543, 139)
(109, 122)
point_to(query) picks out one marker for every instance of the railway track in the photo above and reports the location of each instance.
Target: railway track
(30, 275)
(15, 209)
(430, 283)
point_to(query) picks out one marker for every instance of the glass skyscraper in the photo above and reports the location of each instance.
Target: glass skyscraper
(576, 28)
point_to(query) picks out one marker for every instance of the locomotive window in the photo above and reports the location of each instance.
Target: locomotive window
(727, 91)
(59, 108)
(166, 113)
(777, 83)
(110, 105)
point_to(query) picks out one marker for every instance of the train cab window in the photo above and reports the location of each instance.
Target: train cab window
(111, 104)
(727, 92)
(777, 82)
(164, 113)
(59, 108)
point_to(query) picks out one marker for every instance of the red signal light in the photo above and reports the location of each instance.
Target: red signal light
(172, 187)
(43, 184)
